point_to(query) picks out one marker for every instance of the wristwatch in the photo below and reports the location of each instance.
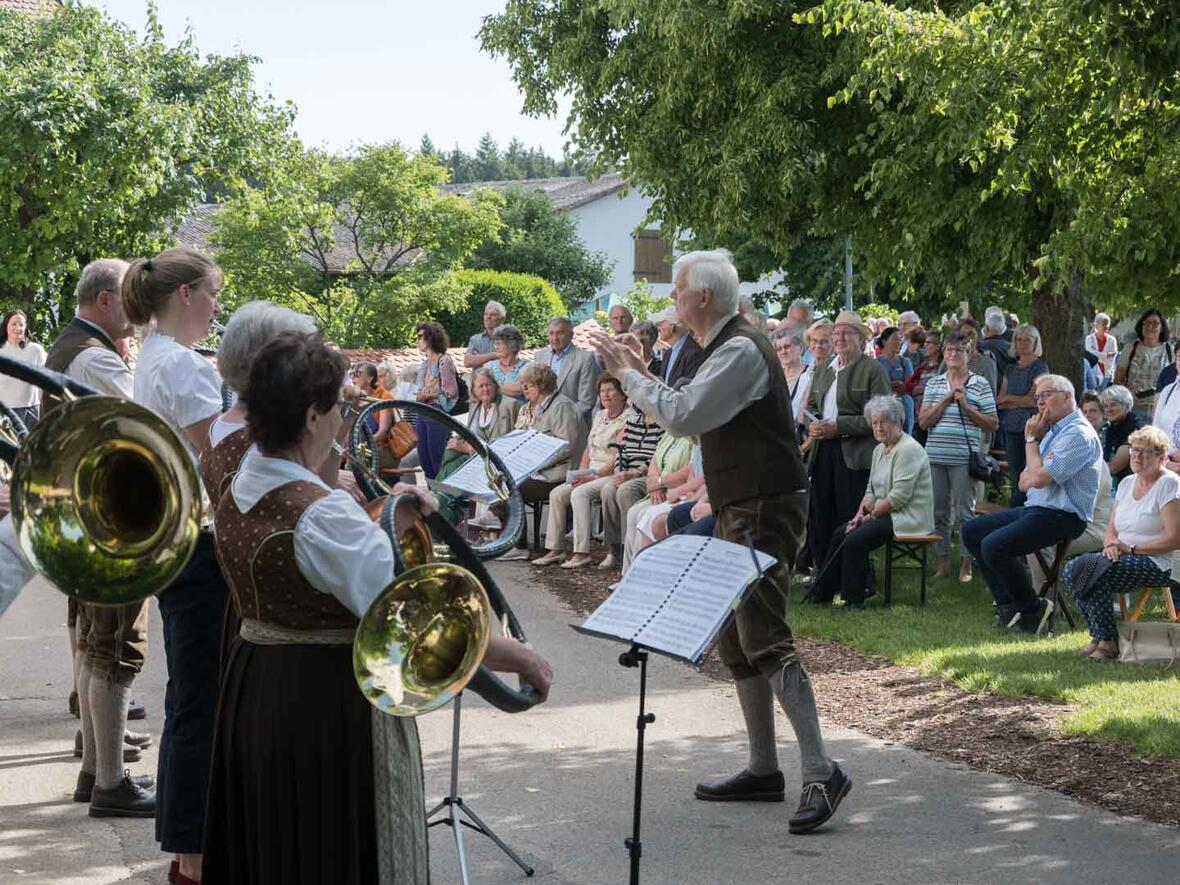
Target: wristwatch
(1031, 439)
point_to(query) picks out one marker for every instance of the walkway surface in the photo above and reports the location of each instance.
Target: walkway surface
(557, 784)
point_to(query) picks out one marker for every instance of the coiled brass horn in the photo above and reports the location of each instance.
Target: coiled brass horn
(423, 638)
(106, 497)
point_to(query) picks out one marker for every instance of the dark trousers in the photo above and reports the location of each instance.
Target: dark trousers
(192, 609)
(1000, 541)
(847, 572)
(758, 640)
(680, 521)
(1014, 452)
(432, 444)
(836, 492)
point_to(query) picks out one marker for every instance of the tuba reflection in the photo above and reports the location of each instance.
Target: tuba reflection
(106, 499)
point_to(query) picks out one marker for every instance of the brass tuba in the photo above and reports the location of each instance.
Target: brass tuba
(424, 637)
(106, 497)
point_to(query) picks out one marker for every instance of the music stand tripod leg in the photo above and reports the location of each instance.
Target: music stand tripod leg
(453, 803)
(637, 657)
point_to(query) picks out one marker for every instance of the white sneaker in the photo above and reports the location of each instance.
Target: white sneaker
(516, 554)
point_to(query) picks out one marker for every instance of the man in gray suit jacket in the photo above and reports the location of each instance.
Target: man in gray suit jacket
(576, 369)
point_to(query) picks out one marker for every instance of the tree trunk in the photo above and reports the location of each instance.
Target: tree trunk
(1061, 319)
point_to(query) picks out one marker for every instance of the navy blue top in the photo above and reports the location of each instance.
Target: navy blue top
(1020, 383)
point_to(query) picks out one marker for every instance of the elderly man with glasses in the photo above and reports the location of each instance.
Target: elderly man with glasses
(1061, 479)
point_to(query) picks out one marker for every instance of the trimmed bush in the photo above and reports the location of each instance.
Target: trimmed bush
(531, 302)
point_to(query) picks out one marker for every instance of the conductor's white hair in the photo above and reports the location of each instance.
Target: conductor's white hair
(713, 270)
(252, 326)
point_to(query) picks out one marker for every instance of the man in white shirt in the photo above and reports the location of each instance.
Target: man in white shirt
(109, 643)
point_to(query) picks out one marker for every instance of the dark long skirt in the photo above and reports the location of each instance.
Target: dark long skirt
(291, 795)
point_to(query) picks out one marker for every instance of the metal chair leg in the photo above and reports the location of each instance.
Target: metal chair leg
(888, 573)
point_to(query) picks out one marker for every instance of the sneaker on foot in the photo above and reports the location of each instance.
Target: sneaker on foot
(819, 801)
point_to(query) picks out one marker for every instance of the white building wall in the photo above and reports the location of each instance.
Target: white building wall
(608, 224)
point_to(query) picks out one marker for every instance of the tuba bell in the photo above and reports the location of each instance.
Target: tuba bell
(106, 498)
(423, 639)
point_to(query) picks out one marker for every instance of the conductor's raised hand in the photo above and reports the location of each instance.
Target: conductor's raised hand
(617, 354)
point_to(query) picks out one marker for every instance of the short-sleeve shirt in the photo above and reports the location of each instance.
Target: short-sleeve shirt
(176, 382)
(508, 376)
(1071, 452)
(480, 344)
(1138, 522)
(1143, 365)
(1020, 383)
(951, 441)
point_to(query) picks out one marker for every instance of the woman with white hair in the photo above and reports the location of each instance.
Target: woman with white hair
(1015, 400)
(1118, 404)
(1103, 345)
(899, 500)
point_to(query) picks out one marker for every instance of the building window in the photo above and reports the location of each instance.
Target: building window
(653, 256)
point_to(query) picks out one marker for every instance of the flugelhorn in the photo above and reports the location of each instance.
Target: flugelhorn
(105, 495)
(423, 638)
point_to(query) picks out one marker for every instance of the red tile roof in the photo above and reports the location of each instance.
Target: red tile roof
(32, 7)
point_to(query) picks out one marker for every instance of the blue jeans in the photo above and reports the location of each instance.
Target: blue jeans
(1014, 447)
(1000, 541)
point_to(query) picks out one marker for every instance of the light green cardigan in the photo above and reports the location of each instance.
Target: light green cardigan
(903, 477)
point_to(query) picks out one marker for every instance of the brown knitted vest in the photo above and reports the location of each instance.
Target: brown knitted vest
(76, 337)
(257, 552)
(755, 454)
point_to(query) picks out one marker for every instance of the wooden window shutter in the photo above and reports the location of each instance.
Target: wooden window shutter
(653, 256)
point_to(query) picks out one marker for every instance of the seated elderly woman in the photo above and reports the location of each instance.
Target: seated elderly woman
(586, 485)
(507, 365)
(669, 468)
(1141, 535)
(899, 500)
(289, 702)
(546, 411)
(647, 520)
(1117, 404)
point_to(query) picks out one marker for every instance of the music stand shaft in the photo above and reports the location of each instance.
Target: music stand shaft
(637, 657)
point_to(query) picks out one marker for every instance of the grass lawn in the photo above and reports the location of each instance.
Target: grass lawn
(953, 637)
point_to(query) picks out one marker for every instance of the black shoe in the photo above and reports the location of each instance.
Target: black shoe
(1005, 615)
(136, 710)
(85, 786)
(128, 799)
(73, 704)
(819, 801)
(744, 787)
(1035, 621)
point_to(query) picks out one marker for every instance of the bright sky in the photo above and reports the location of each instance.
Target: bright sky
(365, 70)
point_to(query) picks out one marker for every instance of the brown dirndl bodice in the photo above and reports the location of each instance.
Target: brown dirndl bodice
(257, 551)
(219, 464)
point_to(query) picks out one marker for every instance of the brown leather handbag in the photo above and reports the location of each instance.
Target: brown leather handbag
(403, 438)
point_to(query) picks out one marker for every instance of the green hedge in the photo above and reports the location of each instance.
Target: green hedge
(530, 300)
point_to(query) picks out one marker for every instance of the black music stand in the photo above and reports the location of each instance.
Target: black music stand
(636, 656)
(453, 805)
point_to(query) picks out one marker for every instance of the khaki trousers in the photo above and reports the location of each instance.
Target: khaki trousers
(581, 500)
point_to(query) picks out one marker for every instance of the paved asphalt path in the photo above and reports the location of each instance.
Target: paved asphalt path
(557, 784)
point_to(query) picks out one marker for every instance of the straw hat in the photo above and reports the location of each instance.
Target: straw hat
(852, 318)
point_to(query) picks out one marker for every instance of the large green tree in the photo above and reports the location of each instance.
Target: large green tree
(537, 238)
(107, 140)
(973, 151)
(363, 243)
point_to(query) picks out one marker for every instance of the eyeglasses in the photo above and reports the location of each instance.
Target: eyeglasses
(1037, 397)
(1145, 453)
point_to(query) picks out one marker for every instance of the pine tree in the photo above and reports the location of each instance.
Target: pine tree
(426, 146)
(487, 163)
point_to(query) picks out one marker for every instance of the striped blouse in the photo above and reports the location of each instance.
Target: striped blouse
(638, 443)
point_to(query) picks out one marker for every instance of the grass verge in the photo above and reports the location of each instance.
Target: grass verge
(953, 638)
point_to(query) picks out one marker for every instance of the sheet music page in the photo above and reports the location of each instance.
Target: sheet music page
(677, 594)
(523, 452)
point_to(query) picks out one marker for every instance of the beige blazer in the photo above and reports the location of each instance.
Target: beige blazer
(503, 422)
(577, 378)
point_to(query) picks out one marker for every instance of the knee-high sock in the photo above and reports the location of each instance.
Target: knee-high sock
(83, 680)
(108, 712)
(792, 686)
(758, 709)
(73, 634)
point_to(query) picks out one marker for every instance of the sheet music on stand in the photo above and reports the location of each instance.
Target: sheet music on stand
(677, 595)
(523, 452)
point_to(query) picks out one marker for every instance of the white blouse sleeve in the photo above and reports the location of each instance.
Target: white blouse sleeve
(195, 389)
(340, 551)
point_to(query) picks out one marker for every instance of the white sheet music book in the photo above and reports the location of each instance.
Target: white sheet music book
(677, 595)
(523, 452)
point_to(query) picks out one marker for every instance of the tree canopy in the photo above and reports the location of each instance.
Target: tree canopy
(971, 150)
(513, 163)
(537, 238)
(108, 140)
(363, 243)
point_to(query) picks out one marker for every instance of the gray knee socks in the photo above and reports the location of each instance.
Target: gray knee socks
(108, 712)
(792, 686)
(82, 678)
(758, 709)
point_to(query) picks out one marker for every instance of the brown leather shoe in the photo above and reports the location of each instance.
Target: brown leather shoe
(744, 787)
